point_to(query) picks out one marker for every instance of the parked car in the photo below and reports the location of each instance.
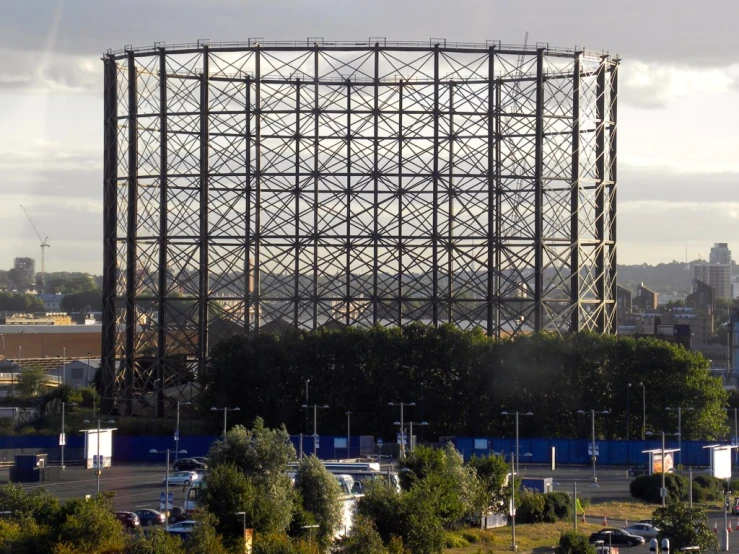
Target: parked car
(150, 517)
(636, 471)
(189, 464)
(616, 537)
(646, 530)
(185, 478)
(735, 506)
(129, 519)
(182, 529)
(177, 514)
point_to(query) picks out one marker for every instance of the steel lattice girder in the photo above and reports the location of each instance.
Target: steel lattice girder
(258, 185)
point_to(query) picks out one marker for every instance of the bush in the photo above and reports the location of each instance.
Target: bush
(707, 487)
(571, 542)
(647, 487)
(530, 507)
(557, 506)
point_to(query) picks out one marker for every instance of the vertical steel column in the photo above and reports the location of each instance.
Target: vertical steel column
(132, 238)
(401, 241)
(316, 181)
(258, 195)
(613, 179)
(600, 150)
(348, 241)
(296, 221)
(498, 206)
(163, 241)
(204, 292)
(450, 209)
(539, 196)
(492, 173)
(110, 224)
(435, 200)
(575, 200)
(375, 184)
(248, 284)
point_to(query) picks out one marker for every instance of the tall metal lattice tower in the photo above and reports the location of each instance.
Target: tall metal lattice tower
(258, 185)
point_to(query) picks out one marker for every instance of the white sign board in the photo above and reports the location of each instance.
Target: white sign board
(721, 463)
(339, 442)
(481, 444)
(94, 447)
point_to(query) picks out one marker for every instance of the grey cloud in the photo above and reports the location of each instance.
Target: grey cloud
(671, 31)
(636, 184)
(41, 73)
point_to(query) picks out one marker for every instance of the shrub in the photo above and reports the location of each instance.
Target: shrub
(557, 506)
(530, 508)
(571, 542)
(707, 487)
(647, 488)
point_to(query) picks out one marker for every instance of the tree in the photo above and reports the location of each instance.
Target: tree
(31, 381)
(204, 539)
(89, 526)
(363, 538)
(321, 496)
(78, 301)
(69, 283)
(38, 504)
(18, 302)
(227, 492)
(684, 526)
(571, 542)
(155, 541)
(492, 472)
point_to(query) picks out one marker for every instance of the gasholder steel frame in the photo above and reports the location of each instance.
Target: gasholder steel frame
(257, 185)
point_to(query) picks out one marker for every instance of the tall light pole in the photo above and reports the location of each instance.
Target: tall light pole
(166, 484)
(64, 364)
(348, 433)
(88, 368)
(643, 411)
(628, 411)
(592, 413)
(410, 431)
(63, 436)
(225, 415)
(402, 428)
(514, 547)
(177, 431)
(307, 382)
(154, 397)
(100, 464)
(315, 422)
(518, 457)
(679, 411)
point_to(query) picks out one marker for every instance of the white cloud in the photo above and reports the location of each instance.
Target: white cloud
(38, 72)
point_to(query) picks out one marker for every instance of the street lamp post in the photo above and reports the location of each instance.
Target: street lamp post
(166, 484)
(518, 457)
(679, 411)
(88, 368)
(63, 437)
(225, 415)
(315, 422)
(64, 364)
(592, 413)
(307, 382)
(514, 547)
(154, 397)
(177, 431)
(643, 411)
(628, 410)
(410, 431)
(243, 514)
(348, 433)
(402, 428)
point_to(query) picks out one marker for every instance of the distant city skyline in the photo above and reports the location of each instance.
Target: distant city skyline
(677, 165)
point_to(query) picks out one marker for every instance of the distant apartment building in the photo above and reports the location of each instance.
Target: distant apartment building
(717, 276)
(645, 299)
(27, 267)
(720, 254)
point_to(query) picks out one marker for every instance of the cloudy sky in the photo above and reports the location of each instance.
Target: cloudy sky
(678, 123)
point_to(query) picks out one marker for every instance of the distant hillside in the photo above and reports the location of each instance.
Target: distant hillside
(674, 277)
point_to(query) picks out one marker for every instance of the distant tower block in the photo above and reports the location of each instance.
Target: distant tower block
(267, 185)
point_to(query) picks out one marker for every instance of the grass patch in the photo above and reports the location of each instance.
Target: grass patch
(543, 537)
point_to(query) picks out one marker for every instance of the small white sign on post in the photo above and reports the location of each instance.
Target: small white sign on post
(62, 439)
(170, 502)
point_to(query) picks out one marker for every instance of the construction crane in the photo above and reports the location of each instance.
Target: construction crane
(44, 244)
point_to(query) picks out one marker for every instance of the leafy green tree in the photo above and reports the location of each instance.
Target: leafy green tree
(89, 526)
(492, 472)
(38, 504)
(258, 452)
(18, 302)
(571, 542)
(155, 541)
(69, 283)
(31, 381)
(204, 538)
(78, 301)
(227, 492)
(684, 526)
(321, 496)
(363, 539)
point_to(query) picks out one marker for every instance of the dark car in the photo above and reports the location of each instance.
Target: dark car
(177, 514)
(616, 537)
(150, 517)
(636, 471)
(189, 464)
(129, 519)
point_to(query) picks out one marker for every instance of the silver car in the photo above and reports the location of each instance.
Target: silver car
(646, 530)
(185, 478)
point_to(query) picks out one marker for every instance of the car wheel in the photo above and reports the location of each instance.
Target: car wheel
(629, 542)
(187, 483)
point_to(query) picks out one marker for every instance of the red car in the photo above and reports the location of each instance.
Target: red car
(128, 519)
